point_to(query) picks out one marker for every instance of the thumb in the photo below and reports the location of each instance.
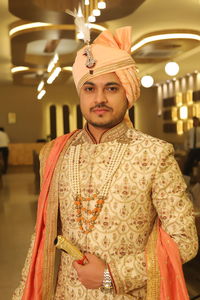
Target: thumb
(76, 265)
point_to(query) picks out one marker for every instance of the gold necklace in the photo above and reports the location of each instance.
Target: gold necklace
(101, 194)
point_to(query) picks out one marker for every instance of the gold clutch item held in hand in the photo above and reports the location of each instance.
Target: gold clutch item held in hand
(65, 245)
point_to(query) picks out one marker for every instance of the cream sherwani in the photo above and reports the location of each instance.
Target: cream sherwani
(147, 184)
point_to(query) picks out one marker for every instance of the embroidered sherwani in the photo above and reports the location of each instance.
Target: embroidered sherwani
(146, 184)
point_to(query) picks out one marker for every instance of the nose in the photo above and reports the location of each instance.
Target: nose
(100, 96)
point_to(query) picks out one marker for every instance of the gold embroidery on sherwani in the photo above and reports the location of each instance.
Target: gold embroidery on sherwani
(146, 183)
(153, 272)
(126, 220)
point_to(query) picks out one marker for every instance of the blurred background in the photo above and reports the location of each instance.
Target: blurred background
(38, 100)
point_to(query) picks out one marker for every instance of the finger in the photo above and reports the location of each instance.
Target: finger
(89, 256)
(76, 265)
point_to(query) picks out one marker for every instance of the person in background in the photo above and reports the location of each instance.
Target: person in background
(116, 193)
(4, 141)
(192, 144)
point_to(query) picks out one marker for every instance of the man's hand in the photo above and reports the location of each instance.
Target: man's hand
(91, 274)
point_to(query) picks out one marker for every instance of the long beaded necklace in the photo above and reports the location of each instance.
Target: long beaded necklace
(101, 193)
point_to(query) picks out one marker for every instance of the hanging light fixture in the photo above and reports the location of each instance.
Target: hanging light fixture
(101, 4)
(91, 19)
(96, 12)
(172, 68)
(147, 81)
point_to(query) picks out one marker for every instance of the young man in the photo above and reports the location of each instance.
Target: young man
(115, 192)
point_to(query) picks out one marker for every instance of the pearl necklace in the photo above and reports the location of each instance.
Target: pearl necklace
(101, 194)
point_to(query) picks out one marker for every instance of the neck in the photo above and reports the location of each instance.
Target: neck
(96, 132)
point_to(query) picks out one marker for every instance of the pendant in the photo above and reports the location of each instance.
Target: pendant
(94, 213)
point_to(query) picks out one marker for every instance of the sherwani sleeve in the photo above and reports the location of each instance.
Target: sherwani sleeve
(175, 211)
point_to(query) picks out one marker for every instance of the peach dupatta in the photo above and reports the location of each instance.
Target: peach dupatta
(34, 284)
(165, 279)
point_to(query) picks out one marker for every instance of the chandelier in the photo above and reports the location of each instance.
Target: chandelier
(92, 9)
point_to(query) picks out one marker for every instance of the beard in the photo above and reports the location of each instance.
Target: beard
(106, 124)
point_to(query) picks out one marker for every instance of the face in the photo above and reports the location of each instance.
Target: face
(103, 101)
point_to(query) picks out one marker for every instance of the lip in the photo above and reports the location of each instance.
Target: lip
(100, 111)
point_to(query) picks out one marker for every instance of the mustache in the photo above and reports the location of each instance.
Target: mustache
(100, 105)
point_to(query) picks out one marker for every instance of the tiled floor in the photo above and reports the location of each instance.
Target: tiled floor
(18, 202)
(17, 217)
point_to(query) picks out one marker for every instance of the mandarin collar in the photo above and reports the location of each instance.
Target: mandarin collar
(110, 135)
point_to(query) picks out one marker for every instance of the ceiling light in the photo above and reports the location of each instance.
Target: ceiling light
(165, 36)
(147, 81)
(50, 66)
(96, 12)
(91, 19)
(172, 68)
(87, 2)
(101, 4)
(19, 69)
(53, 76)
(98, 27)
(41, 94)
(55, 58)
(35, 25)
(40, 85)
(68, 68)
(28, 26)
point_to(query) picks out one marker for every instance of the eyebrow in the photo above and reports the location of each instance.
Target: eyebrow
(107, 84)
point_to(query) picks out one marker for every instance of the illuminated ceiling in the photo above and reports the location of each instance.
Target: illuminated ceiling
(34, 48)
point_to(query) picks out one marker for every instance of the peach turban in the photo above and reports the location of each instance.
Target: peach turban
(112, 53)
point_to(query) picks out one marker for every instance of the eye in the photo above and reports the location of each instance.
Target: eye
(112, 89)
(88, 89)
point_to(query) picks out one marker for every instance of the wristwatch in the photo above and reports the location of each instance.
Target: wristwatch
(107, 285)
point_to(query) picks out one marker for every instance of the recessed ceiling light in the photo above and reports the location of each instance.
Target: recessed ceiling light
(147, 81)
(172, 68)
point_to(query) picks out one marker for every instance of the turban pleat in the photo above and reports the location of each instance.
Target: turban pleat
(112, 54)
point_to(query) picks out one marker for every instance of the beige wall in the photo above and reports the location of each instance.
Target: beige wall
(32, 116)
(146, 118)
(20, 100)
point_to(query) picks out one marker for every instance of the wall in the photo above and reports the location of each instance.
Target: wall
(146, 118)
(148, 108)
(20, 100)
(32, 116)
